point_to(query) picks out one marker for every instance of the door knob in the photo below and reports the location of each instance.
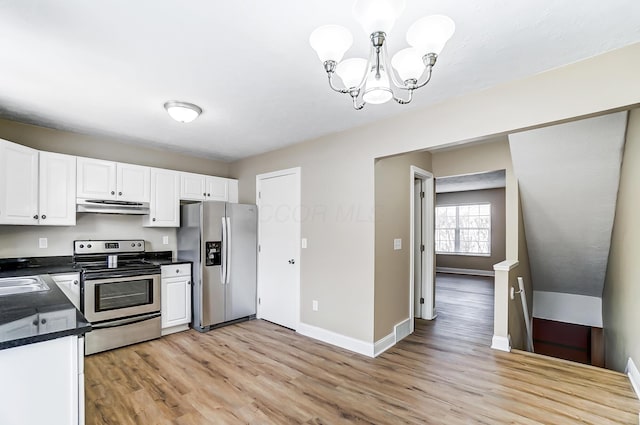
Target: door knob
(292, 261)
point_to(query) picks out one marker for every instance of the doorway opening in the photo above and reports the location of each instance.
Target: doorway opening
(422, 260)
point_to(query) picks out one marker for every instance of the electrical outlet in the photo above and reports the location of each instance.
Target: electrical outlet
(165, 240)
(397, 244)
(315, 305)
(43, 242)
(304, 243)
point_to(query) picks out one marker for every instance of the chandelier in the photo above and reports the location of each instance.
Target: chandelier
(370, 80)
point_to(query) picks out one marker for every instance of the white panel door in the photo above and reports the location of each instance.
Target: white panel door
(133, 182)
(57, 192)
(193, 187)
(279, 253)
(164, 206)
(18, 184)
(96, 179)
(217, 189)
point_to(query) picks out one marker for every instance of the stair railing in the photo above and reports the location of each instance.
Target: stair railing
(525, 312)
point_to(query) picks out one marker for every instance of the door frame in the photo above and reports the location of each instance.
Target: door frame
(296, 171)
(428, 265)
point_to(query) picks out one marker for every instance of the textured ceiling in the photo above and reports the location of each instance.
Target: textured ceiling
(106, 68)
(568, 177)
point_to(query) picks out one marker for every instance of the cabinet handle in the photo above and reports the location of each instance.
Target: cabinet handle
(113, 192)
(43, 216)
(188, 282)
(35, 322)
(120, 193)
(177, 270)
(204, 194)
(35, 217)
(153, 219)
(43, 321)
(75, 282)
(208, 194)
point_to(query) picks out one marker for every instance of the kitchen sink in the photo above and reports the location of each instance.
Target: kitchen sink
(21, 285)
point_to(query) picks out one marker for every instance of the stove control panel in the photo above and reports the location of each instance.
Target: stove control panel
(107, 247)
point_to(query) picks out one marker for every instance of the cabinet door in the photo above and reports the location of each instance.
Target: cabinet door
(18, 184)
(164, 207)
(176, 301)
(96, 179)
(193, 187)
(217, 189)
(57, 192)
(133, 183)
(233, 190)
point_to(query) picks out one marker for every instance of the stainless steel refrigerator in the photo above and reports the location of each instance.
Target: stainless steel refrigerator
(221, 240)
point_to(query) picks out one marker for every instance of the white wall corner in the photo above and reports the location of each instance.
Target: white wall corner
(339, 340)
(634, 376)
(502, 343)
(384, 344)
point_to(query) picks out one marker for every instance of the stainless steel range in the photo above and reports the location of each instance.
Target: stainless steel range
(120, 293)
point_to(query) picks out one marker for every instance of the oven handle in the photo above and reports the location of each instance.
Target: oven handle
(116, 278)
(124, 322)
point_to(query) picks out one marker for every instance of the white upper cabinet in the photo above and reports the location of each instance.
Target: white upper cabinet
(198, 187)
(57, 194)
(164, 207)
(233, 190)
(193, 187)
(96, 179)
(99, 179)
(18, 184)
(36, 188)
(133, 182)
(217, 189)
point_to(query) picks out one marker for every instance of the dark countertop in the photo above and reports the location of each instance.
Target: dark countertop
(10, 267)
(39, 316)
(163, 258)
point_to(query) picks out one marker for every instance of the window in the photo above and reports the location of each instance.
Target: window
(463, 229)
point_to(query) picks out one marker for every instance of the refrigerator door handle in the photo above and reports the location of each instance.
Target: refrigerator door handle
(223, 267)
(228, 249)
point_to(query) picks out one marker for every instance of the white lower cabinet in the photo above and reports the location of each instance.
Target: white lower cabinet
(45, 383)
(176, 298)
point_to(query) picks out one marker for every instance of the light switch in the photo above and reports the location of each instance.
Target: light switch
(304, 243)
(314, 305)
(397, 244)
(43, 242)
(165, 240)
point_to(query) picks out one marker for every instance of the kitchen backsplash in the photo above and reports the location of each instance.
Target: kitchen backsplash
(23, 241)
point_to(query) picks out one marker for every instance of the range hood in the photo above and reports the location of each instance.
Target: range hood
(108, 206)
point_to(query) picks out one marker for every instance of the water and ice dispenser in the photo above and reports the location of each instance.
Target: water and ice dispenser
(213, 252)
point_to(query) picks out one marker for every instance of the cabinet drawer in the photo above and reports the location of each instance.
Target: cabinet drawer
(175, 270)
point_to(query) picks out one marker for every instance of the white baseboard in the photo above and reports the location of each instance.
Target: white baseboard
(634, 376)
(501, 343)
(472, 272)
(402, 330)
(384, 344)
(339, 340)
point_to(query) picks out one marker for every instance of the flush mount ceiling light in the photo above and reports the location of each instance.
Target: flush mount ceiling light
(370, 80)
(182, 111)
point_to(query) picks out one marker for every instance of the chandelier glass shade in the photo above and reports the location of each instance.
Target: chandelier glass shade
(377, 79)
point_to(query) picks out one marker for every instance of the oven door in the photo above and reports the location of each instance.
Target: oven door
(115, 298)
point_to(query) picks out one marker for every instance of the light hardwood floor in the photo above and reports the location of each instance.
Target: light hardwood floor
(444, 373)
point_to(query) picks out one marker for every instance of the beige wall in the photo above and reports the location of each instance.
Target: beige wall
(338, 172)
(393, 187)
(621, 312)
(496, 198)
(59, 141)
